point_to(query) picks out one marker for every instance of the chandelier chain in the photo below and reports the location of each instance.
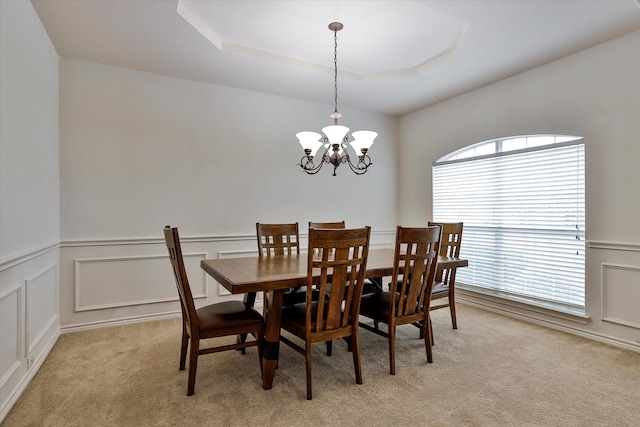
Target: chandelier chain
(335, 69)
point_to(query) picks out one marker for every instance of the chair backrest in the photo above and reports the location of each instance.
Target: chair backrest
(338, 225)
(414, 270)
(340, 257)
(449, 244)
(451, 238)
(172, 239)
(277, 239)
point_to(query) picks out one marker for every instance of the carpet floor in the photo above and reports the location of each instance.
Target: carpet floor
(492, 371)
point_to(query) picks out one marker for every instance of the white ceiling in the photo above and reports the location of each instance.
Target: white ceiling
(394, 57)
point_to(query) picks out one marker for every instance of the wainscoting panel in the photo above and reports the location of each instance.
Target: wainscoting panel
(621, 294)
(133, 280)
(42, 301)
(29, 318)
(11, 336)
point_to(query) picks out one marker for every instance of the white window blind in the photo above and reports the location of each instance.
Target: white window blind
(524, 221)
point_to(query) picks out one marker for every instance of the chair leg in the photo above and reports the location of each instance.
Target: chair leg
(308, 358)
(392, 349)
(452, 308)
(431, 331)
(428, 331)
(183, 346)
(193, 365)
(329, 347)
(242, 338)
(355, 349)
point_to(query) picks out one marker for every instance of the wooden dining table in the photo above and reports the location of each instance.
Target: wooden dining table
(248, 275)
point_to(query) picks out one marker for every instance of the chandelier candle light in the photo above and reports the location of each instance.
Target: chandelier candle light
(334, 143)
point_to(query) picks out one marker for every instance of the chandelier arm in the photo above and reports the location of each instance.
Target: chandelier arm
(359, 168)
(310, 167)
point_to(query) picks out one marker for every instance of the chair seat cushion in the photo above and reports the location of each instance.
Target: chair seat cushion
(227, 314)
(440, 287)
(376, 305)
(368, 288)
(294, 318)
(298, 295)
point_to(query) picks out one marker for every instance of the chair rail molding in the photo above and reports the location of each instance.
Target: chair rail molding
(150, 240)
(123, 241)
(22, 257)
(616, 246)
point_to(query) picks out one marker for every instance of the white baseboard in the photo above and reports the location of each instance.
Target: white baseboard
(118, 322)
(532, 317)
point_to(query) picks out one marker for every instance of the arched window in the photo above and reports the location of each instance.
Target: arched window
(521, 200)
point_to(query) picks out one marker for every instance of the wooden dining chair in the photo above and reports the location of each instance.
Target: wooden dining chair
(444, 285)
(212, 321)
(280, 240)
(341, 258)
(409, 297)
(368, 288)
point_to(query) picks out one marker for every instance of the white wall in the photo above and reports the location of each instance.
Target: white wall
(595, 94)
(140, 151)
(29, 198)
(29, 182)
(93, 165)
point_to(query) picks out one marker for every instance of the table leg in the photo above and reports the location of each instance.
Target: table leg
(271, 349)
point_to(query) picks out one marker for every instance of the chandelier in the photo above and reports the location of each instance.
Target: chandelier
(333, 147)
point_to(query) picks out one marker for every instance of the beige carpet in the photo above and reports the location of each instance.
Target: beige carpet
(492, 371)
